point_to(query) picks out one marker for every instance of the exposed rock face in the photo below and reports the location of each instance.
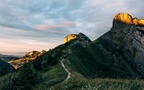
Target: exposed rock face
(5, 68)
(128, 19)
(70, 37)
(141, 22)
(135, 21)
(30, 56)
(79, 39)
(129, 39)
(123, 17)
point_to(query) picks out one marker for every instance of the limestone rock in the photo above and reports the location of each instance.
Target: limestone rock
(80, 38)
(123, 17)
(30, 56)
(135, 21)
(70, 37)
(141, 22)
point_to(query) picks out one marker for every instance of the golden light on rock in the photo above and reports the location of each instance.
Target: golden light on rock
(141, 22)
(127, 18)
(70, 37)
(135, 21)
(124, 17)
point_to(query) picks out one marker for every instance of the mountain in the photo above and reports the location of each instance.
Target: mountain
(114, 61)
(8, 57)
(5, 68)
(30, 56)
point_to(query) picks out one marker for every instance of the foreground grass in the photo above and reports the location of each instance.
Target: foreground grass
(101, 84)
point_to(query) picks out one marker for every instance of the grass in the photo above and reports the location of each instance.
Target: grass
(101, 84)
(55, 75)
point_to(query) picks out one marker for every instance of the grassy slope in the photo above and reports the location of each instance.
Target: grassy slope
(87, 65)
(55, 75)
(97, 60)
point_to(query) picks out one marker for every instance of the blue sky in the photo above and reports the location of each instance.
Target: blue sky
(27, 25)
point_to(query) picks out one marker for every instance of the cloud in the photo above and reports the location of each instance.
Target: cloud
(17, 45)
(65, 25)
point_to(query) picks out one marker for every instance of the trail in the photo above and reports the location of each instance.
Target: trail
(69, 73)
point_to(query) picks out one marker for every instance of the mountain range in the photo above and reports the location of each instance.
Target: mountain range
(114, 61)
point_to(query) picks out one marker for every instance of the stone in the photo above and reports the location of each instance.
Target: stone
(141, 22)
(135, 21)
(70, 37)
(123, 17)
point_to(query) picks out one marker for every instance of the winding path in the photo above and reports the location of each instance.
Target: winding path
(69, 73)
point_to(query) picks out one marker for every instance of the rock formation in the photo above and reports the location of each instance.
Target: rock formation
(141, 22)
(128, 39)
(124, 17)
(30, 56)
(135, 21)
(70, 37)
(127, 18)
(79, 39)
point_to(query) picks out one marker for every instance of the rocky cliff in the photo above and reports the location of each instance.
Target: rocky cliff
(127, 35)
(127, 18)
(70, 37)
(30, 56)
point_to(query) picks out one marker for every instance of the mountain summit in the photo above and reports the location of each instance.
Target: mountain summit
(127, 18)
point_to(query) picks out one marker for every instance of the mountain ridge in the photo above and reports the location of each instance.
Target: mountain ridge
(98, 64)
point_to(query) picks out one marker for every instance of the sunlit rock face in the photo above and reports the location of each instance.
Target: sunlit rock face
(141, 22)
(123, 17)
(30, 56)
(70, 37)
(127, 18)
(135, 21)
(128, 38)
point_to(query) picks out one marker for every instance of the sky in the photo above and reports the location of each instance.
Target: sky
(27, 25)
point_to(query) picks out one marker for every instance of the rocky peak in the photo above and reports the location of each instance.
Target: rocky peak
(135, 21)
(128, 19)
(30, 56)
(34, 53)
(79, 39)
(129, 38)
(141, 22)
(123, 17)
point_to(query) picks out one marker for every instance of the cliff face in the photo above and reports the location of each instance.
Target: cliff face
(128, 37)
(127, 18)
(70, 37)
(30, 56)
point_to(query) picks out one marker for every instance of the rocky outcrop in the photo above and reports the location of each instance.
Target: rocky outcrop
(135, 21)
(123, 17)
(128, 19)
(30, 56)
(70, 37)
(141, 22)
(78, 39)
(128, 39)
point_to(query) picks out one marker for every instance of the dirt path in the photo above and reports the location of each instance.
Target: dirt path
(69, 74)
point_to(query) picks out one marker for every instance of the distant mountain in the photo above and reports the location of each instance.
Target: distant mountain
(30, 56)
(8, 57)
(5, 68)
(82, 64)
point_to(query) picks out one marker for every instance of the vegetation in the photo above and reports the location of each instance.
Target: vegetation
(101, 65)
